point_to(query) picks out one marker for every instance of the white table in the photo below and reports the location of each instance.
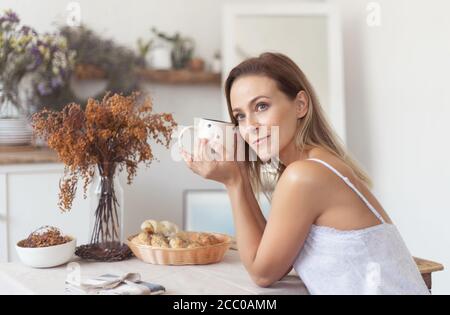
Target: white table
(226, 277)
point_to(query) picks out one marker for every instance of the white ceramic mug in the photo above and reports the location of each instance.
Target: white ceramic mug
(211, 129)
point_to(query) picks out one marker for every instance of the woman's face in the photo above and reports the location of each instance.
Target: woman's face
(267, 118)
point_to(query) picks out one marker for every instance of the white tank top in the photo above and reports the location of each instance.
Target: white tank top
(373, 260)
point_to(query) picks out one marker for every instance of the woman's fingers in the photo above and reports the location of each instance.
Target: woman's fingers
(196, 154)
(196, 157)
(187, 157)
(203, 151)
(219, 150)
(208, 151)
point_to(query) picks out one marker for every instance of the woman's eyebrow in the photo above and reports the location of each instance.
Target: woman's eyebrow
(249, 103)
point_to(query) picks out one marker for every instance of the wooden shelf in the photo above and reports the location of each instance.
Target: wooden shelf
(175, 77)
(26, 155)
(179, 77)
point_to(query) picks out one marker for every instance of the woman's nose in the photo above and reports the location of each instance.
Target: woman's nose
(252, 124)
(251, 128)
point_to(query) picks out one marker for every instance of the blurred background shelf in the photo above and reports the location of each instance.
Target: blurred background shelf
(175, 77)
(179, 76)
(26, 154)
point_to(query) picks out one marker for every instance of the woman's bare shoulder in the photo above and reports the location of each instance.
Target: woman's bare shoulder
(316, 175)
(305, 185)
(304, 171)
(308, 171)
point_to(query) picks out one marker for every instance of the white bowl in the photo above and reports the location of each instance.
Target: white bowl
(45, 257)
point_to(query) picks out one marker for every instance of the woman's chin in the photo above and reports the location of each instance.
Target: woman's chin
(264, 158)
(264, 154)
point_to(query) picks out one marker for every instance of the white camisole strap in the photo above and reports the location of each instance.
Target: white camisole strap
(350, 184)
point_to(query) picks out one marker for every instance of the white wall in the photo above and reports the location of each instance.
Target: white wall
(397, 99)
(398, 107)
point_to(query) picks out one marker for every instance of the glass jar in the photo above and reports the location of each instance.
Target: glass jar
(106, 217)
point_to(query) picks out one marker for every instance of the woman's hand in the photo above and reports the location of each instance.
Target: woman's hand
(213, 161)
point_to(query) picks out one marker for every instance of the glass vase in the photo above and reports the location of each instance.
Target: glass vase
(106, 218)
(9, 102)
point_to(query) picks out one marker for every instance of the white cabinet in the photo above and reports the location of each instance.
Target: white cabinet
(28, 200)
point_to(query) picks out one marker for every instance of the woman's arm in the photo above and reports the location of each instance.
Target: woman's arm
(268, 253)
(250, 196)
(249, 229)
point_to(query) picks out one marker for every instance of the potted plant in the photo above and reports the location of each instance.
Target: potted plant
(44, 59)
(144, 47)
(182, 48)
(216, 66)
(101, 58)
(53, 65)
(95, 144)
(15, 61)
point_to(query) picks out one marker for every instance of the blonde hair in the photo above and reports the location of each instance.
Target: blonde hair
(312, 130)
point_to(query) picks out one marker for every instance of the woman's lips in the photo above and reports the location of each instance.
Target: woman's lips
(261, 140)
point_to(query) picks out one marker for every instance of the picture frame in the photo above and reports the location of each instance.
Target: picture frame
(209, 210)
(316, 29)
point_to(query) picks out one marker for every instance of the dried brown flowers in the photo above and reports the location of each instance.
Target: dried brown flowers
(110, 133)
(44, 237)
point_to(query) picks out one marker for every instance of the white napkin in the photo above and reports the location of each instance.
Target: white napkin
(126, 284)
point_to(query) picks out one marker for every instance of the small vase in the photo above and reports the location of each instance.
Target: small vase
(216, 66)
(106, 218)
(160, 58)
(8, 102)
(182, 52)
(15, 128)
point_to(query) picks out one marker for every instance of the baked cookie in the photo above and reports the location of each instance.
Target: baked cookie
(194, 245)
(145, 238)
(159, 240)
(204, 239)
(178, 242)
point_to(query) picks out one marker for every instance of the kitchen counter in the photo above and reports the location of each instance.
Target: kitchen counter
(227, 277)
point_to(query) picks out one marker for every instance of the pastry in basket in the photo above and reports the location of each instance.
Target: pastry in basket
(144, 238)
(204, 239)
(178, 242)
(193, 245)
(159, 240)
(165, 244)
(165, 234)
(152, 239)
(164, 227)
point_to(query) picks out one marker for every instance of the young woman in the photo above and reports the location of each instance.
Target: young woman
(324, 222)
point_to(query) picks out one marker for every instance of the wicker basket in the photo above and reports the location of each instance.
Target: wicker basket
(182, 256)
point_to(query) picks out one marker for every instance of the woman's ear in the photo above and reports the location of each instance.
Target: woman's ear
(301, 103)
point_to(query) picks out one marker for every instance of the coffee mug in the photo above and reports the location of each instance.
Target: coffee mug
(210, 129)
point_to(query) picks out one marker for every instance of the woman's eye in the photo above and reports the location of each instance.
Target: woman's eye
(239, 117)
(261, 106)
